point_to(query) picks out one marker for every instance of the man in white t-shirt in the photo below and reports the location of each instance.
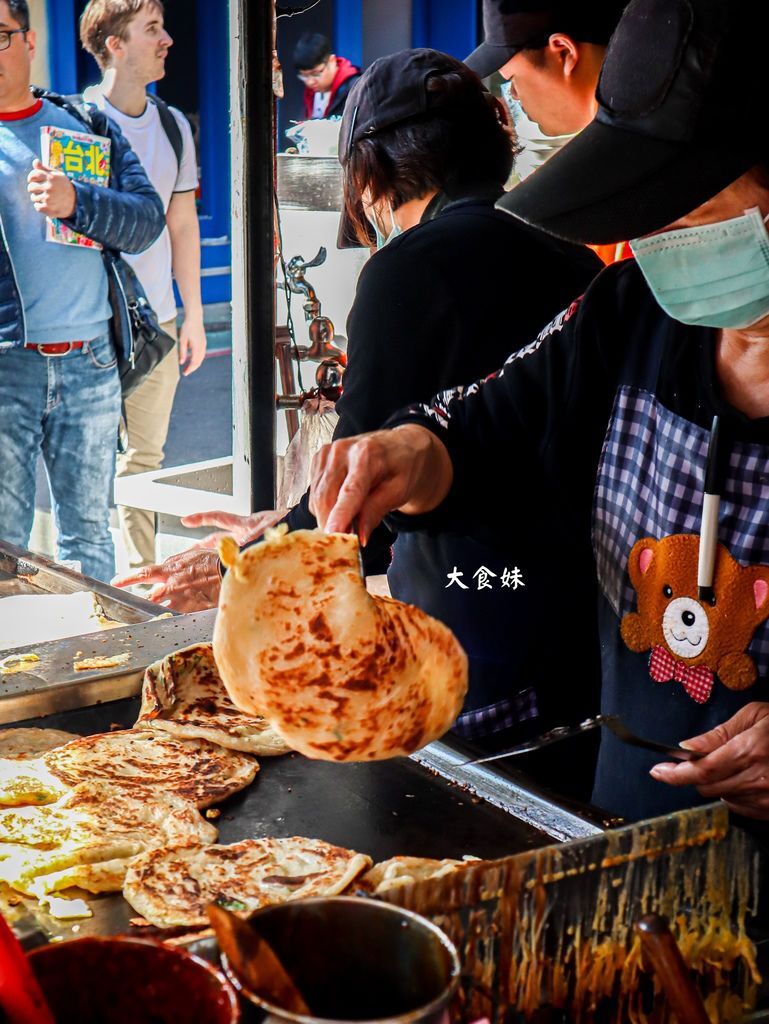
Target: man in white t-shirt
(130, 44)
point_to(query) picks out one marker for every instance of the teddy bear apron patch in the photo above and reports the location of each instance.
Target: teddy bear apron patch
(646, 522)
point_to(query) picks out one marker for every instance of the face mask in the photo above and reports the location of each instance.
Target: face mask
(714, 275)
(381, 238)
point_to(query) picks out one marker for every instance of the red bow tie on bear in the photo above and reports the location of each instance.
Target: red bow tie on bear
(697, 680)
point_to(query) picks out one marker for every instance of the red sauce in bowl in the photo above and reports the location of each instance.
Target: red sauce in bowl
(131, 981)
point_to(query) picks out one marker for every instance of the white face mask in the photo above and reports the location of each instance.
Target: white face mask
(381, 238)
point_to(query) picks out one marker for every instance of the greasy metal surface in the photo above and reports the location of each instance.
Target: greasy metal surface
(309, 182)
(517, 922)
(22, 572)
(512, 792)
(52, 684)
(383, 809)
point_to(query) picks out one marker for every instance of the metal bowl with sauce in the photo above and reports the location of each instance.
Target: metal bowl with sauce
(131, 981)
(357, 960)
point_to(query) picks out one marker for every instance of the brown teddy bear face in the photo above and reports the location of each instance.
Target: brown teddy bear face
(677, 626)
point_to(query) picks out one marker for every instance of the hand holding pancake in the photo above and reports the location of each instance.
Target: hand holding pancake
(366, 477)
(736, 769)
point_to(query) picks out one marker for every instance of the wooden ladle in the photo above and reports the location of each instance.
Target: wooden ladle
(254, 960)
(661, 951)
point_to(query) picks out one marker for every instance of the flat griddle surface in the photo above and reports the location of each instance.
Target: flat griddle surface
(382, 809)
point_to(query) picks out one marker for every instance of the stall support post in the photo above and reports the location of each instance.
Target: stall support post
(253, 275)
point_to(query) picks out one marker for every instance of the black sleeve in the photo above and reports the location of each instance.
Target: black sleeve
(539, 422)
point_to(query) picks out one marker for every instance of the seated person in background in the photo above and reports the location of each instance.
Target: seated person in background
(456, 285)
(608, 415)
(327, 78)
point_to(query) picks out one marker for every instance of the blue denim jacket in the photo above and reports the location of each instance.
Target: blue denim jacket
(126, 217)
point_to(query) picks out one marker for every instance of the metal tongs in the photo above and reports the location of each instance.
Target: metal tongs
(565, 732)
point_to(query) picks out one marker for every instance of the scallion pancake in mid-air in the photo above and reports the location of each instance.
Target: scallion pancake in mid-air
(203, 772)
(341, 675)
(173, 886)
(184, 696)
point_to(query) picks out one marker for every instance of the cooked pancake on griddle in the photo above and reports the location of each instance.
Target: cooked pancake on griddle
(94, 823)
(340, 674)
(24, 743)
(173, 886)
(28, 781)
(184, 695)
(399, 871)
(202, 772)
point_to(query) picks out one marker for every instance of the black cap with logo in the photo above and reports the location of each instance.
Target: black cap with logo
(514, 25)
(681, 98)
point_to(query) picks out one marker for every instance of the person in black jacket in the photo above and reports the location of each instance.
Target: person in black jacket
(454, 287)
(641, 412)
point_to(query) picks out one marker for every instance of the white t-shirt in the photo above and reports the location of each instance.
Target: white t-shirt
(150, 143)
(319, 104)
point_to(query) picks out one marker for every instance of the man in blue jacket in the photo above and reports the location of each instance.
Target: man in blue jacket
(59, 384)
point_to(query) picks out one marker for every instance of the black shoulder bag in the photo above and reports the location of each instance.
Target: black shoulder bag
(140, 341)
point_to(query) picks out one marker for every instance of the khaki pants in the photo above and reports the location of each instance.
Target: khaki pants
(148, 413)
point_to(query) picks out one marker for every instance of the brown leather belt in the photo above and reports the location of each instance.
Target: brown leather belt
(56, 348)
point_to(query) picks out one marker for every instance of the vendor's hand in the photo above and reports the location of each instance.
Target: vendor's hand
(243, 528)
(366, 477)
(736, 768)
(192, 343)
(188, 582)
(51, 191)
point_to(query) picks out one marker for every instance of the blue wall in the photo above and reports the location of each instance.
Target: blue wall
(448, 25)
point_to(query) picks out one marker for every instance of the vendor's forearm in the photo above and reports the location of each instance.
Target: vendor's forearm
(432, 472)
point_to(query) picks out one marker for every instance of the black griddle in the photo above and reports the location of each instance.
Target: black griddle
(400, 806)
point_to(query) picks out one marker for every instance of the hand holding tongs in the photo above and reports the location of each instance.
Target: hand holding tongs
(565, 732)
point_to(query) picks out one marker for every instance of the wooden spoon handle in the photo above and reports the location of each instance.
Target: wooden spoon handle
(662, 952)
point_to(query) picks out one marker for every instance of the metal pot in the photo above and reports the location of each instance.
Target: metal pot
(357, 960)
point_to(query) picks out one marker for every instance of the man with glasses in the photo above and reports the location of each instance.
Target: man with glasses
(327, 78)
(59, 385)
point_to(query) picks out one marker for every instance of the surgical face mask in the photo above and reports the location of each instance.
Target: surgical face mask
(381, 238)
(714, 275)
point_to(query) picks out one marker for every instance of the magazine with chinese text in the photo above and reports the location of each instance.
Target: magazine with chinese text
(82, 157)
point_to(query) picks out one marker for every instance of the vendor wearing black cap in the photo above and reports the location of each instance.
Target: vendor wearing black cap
(551, 56)
(607, 415)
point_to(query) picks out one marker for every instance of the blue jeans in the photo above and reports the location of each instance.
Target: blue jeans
(68, 408)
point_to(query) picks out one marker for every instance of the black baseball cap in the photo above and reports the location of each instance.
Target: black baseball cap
(681, 95)
(510, 26)
(390, 91)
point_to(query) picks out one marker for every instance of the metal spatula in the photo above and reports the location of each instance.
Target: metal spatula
(565, 732)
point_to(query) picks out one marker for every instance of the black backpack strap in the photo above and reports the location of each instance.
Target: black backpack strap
(74, 105)
(170, 126)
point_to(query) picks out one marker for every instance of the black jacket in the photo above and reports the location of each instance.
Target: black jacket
(606, 418)
(440, 305)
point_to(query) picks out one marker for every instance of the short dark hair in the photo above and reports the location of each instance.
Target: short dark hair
(311, 50)
(20, 11)
(590, 23)
(464, 138)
